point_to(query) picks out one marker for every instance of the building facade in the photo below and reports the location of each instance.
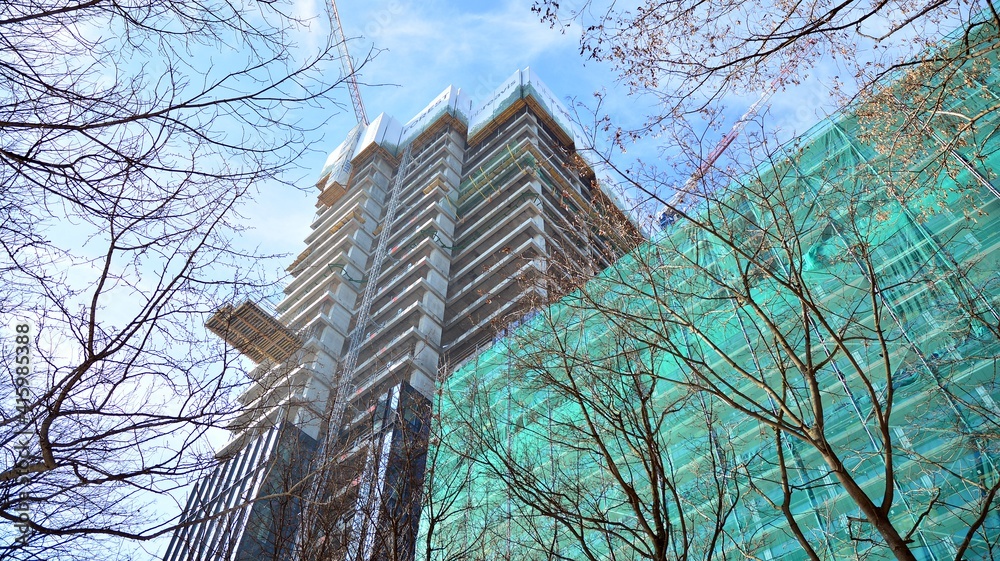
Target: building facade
(801, 364)
(430, 238)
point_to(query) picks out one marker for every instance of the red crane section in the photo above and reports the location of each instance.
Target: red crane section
(347, 65)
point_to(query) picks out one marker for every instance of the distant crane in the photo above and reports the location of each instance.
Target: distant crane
(668, 214)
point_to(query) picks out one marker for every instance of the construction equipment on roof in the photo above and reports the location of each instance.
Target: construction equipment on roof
(254, 332)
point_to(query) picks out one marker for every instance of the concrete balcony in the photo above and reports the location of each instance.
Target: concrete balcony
(417, 291)
(505, 288)
(505, 243)
(424, 261)
(340, 268)
(463, 338)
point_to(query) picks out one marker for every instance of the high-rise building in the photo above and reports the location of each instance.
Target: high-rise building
(429, 238)
(804, 365)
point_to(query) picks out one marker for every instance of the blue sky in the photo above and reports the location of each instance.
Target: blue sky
(424, 46)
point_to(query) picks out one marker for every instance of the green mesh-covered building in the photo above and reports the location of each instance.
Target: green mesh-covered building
(802, 363)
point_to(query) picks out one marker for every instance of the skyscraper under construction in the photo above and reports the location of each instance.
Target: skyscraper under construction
(429, 239)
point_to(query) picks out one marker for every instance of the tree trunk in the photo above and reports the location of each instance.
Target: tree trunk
(880, 520)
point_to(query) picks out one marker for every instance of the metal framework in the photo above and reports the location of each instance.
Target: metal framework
(337, 29)
(937, 296)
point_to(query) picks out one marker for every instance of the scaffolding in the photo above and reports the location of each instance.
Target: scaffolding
(337, 409)
(332, 192)
(254, 332)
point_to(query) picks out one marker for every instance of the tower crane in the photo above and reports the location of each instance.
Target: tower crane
(347, 65)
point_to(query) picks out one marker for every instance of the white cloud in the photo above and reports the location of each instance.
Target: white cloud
(430, 45)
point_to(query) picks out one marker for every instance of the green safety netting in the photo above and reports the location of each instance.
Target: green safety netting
(857, 269)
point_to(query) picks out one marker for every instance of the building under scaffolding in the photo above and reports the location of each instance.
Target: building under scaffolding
(845, 292)
(429, 238)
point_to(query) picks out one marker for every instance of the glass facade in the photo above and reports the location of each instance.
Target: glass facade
(806, 362)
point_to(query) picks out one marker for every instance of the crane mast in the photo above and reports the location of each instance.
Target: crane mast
(337, 29)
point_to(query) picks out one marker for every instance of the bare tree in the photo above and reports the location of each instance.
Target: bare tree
(818, 327)
(561, 452)
(690, 54)
(132, 134)
(697, 61)
(374, 507)
(573, 452)
(451, 527)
